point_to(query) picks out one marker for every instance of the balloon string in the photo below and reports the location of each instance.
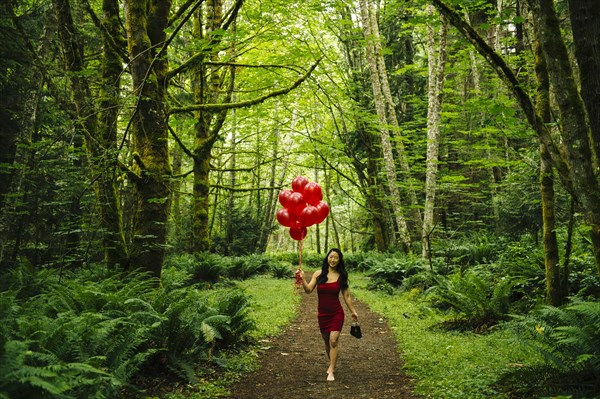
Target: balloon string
(298, 277)
(300, 266)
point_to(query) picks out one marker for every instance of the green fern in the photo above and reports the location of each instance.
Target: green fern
(205, 267)
(236, 306)
(281, 270)
(568, 338)
(477, 301)
(84, 325)
(26, 373)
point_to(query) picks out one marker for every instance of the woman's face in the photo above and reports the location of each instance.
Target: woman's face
(333, 259)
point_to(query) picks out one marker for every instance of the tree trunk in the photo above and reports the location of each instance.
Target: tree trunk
(99, 132)
(208, 83)
(575, 131)
(105, 159)
(229, 227)
(270, 209)
(554, 293)
(392, 119)
(585, 24)
(145, 28)
(482, 117)
(434, 110)
(573, 157)
(363, 149)
(386, 146)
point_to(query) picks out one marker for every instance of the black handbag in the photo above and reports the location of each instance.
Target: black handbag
(355, 330)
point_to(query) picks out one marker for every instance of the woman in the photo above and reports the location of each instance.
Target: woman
(329, 281)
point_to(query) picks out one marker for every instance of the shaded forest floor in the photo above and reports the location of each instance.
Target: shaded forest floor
(293, 364)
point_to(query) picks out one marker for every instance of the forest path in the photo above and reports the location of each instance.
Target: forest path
(293, 364)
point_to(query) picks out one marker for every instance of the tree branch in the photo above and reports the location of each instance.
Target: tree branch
(506, 74)
(248, 103)
(183, 146)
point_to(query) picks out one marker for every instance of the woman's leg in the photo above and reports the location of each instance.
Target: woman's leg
(333, 353)
(326, 340)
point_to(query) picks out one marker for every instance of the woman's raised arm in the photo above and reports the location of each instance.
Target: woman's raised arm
(310, 286)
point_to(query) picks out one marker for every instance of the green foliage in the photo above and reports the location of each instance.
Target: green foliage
(445, 364)
(273, 304)
(478, 301)
(568, 338)
(243, 267)
(524, 262)
(367, 260)
(391, 271)
(90, 335)
(473, 249)
(280, 269)
(584, 281)
(518, 200)
(242, 238)
(207, 269)
(395, 271)
(204, 267)
(78, 338)
(236, 306)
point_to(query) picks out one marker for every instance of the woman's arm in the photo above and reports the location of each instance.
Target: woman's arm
(349, 303)
(310, 286)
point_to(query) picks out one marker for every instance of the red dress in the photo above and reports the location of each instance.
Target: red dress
(331, 313)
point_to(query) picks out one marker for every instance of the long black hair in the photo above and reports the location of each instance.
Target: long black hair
(341, 268)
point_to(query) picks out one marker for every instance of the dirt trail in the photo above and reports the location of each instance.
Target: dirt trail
(294, 364)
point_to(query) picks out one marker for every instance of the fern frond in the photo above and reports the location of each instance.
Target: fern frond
(568, 337)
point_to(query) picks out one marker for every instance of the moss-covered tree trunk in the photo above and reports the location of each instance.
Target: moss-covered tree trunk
(572, 156)
(436, 60)
(361, 145)
(105, 160)
(575, 129)
(208, 84)
(145, 27)
(555, 294)
(99, 129)
(585, 24)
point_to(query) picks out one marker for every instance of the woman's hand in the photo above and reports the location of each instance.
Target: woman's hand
(300, 277)
(355, 316)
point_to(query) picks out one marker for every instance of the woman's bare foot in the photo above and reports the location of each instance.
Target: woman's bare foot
(330, 376)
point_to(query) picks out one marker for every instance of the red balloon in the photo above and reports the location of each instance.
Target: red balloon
(298, 233)
(309, 216)
(296, 203)
(284, 197)
(298, 184)
(284, 218)
(323, 210)
(313, 193)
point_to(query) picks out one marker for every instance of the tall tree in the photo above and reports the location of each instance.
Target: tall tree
(436, 59)
(556, 292)
(213, 87)
(361, 144)
(380, 106)
(572, 156)
(585, 25)
(146, 24)
(97, 123)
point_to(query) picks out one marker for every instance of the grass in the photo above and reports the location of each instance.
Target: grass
(448, 365)
(274, 305)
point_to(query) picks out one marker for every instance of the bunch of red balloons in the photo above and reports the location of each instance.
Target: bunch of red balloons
(303, 207)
